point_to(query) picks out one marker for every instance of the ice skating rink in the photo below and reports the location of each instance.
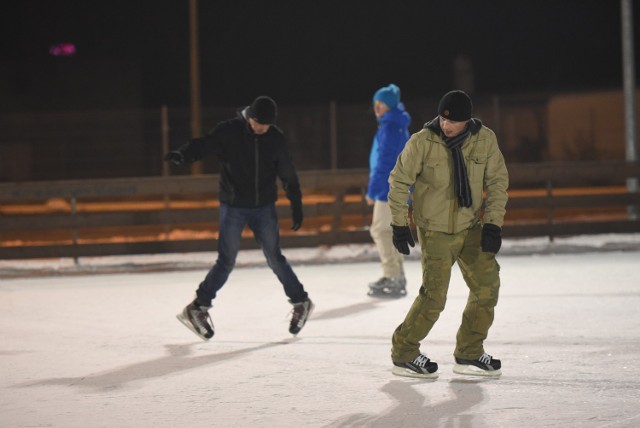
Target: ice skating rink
(107, 351)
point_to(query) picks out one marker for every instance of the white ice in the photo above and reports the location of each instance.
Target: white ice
(105, 350)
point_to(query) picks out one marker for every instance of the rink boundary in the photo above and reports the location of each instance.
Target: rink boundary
(342, 254)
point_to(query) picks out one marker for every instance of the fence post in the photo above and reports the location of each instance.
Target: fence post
(337, 216)
(629, 86)
(194, 77)
(164, 138)
(74, 231)
(550, 209)
(164, 130)
(497, 125)
(366, 209)
(333, 134)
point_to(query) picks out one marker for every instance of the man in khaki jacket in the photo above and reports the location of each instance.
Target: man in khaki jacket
(450, 163)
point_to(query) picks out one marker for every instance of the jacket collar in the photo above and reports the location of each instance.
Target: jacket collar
(396, 115)
(475, 125)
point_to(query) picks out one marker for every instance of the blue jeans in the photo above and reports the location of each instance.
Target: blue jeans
(263, 221)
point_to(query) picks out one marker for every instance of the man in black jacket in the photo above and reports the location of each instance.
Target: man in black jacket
(253, 154)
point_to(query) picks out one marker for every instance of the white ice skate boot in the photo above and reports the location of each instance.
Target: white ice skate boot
(485, 365)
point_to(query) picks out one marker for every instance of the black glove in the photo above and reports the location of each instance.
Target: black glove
(175, 157)
(402, 238)
(491, 238)
(296, 215)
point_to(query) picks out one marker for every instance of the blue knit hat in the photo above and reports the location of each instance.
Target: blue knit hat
(390, 95)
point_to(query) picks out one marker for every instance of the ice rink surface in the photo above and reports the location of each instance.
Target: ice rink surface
(107, 351)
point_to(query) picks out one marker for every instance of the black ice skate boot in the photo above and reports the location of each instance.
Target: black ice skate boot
(485, 365)
(196, 318)
(300, 314)
(421, 367)
(389, 287)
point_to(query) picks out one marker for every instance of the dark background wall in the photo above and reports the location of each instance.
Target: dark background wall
(97, 113)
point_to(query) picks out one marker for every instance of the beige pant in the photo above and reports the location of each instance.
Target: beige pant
(382, 235)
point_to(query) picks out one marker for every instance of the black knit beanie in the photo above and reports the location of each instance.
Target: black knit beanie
(263, 110)
(455, 106)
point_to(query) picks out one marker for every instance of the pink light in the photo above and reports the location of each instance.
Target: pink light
(62, 49)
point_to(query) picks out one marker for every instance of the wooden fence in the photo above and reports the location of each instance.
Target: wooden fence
(51, 219)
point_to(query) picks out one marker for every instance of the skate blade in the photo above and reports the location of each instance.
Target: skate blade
(475, 371)
(187, 324)
(401, 371)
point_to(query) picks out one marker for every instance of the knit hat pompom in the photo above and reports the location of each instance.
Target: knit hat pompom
(455, 106)
(390, 95)
(263, 110)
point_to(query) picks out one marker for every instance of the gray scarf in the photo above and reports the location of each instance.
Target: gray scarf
(461, 179)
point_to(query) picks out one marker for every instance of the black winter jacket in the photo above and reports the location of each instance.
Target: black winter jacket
(250, 163)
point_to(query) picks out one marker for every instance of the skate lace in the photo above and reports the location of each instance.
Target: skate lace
(485, 358)
(296, 312)
(421, 360)
(203, 319)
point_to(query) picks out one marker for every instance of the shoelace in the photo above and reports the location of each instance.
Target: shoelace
(421, 360)
(201, 320)
(292, 313)
(297, 312)
(485, 358)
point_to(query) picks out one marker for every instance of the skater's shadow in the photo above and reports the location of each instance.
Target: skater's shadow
(412, 408)
(346, 311)
(177, 360)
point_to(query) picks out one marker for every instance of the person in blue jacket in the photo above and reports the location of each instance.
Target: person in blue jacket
(392, 134)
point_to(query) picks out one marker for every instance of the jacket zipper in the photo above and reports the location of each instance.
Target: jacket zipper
(255, 140)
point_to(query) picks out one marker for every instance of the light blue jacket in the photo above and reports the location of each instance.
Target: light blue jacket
(392, 134)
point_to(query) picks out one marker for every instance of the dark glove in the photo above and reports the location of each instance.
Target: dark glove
(174, 157)
(491, 238)
(296, 214)
(402, 238)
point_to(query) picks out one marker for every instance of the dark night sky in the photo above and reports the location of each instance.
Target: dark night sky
(302, 51)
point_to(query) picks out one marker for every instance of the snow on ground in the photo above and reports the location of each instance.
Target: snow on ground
(316, 255)
(107, 351)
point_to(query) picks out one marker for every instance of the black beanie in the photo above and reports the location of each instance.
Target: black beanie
(263, 110)
(455, 106)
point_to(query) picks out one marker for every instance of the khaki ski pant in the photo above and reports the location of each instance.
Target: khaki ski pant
(382, 235)
(480, 271)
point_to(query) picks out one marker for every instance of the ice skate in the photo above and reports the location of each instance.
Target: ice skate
(388, 287)
(300, 314)
(196, 318)
(486, 365)
(420, 367)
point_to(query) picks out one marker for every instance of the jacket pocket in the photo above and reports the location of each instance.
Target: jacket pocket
(477, 166)
(436, 172)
